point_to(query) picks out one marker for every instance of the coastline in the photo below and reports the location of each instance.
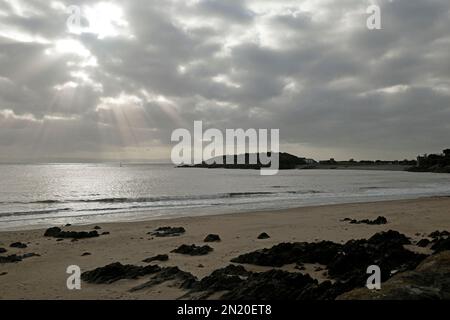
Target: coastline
(44, 276)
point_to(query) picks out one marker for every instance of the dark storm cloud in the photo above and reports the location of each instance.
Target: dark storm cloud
(310, 68)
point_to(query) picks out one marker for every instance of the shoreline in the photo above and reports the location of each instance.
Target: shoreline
(44, 276)
(144, 216)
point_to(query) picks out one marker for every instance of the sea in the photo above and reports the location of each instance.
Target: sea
(40, 195)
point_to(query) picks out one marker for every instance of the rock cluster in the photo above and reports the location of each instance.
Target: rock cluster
(441, 241)
(430, 280)
(117, 271)
(167, 232)
(17, 258)
(345, 262)
(56, 232)
(184, 279)
(193, 250)
(405, 274)
(378, 221)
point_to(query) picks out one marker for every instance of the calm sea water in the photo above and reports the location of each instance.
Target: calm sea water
(41, 195)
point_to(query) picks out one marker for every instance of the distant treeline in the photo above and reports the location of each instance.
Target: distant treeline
(433, 163)
(369, 162)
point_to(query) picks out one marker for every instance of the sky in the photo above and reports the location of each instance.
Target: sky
(115, 86)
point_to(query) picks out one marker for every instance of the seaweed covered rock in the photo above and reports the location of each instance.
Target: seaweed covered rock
(378, 221)
(10, 259)
(345, 262)
(56, 232)
(17, 258)
(225, 278)
(430, 280)
(117, 271)
(184, 279)
(441, 241)
(193, 250)
(287, 253)
(281, 285)
(167, 232)
(441, 245)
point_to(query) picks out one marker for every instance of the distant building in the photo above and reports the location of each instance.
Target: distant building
(331, 161)
(421, 160)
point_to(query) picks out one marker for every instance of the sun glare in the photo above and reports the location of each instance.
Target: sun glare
(105, 19)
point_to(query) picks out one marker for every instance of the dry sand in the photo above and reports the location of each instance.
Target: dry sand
(45, 277)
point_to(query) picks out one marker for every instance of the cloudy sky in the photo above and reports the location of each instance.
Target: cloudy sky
(116, 86)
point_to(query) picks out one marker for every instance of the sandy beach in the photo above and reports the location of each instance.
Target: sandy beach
(44, 276)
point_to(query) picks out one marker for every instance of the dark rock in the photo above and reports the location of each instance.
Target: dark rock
(439, 234)
(168, 232)
(222, 279)
(58, 233)
(68, 225)
(263, 236)
(423, 243)
(384, 249)
(212, 238)
(60, 239)
(240, 284)
(430, 280)
(287, 253)
(159, 257)
(3, 250)
(117, 271)
(10, 259)
(193, 250)
(345, 262)
(200, 266)
(86, 254)
(272, 285)
(16, 258)
(441, 245)
(19, 245)
(97, 228)
(29, 255)
(378, 221)
(3, 273)
(185, 279)
(105, 233)
(52, 232)
(389, 237)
